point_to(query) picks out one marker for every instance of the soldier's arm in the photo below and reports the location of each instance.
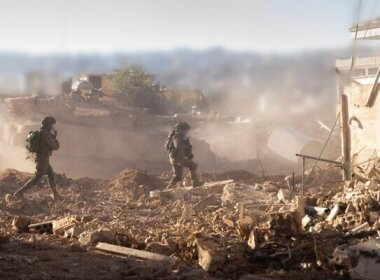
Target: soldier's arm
(50, 140)
(176, 143)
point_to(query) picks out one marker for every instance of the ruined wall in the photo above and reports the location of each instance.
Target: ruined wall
(364, 123)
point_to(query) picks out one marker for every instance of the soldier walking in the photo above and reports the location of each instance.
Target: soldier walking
(180, 155)
(46, 144)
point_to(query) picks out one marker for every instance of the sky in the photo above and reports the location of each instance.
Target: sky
(105, 26)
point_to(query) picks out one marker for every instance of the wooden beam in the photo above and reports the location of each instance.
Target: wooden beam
(346, 137)
(374, 91)
(125, 251)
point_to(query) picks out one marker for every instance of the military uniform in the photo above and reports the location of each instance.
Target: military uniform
(181, 156)
(47, 144)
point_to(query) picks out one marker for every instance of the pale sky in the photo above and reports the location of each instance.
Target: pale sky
(49, 26)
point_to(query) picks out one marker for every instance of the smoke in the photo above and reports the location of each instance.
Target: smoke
(11, 156)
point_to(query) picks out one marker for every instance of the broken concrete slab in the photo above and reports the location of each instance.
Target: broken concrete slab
(188, 211)
(92, 237)
(333, 213)
(367, 255)
(125, 251)
(211, 257)
(59, 226)
(43, 227)
(73, 232)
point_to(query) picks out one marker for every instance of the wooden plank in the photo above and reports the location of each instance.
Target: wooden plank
(374, 91)
(124, 251)
(346, 137)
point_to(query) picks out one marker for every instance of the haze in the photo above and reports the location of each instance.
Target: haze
(68, 26)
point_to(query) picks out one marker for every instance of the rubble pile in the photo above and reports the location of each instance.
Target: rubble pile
(226, 229)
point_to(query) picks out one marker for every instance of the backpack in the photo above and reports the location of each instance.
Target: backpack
(33, 141)
(169, 146)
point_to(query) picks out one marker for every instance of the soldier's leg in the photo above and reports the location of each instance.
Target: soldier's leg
(52, 182)
(193, 171)
(177, 173)
(32, 182)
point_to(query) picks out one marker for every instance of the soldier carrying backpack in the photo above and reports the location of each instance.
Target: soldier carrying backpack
(42, 143)
(180, 154)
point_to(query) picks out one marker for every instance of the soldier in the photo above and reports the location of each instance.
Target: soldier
(180, 154)
(47, 144)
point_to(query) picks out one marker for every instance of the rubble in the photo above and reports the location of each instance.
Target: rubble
(100, 235)
(119, 250)
(21, 223)
(224, 227)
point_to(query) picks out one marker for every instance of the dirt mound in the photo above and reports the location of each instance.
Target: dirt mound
(134, 178)
(11, 179)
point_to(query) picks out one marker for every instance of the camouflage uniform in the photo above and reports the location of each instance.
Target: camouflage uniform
(181, 156)
(48, 144)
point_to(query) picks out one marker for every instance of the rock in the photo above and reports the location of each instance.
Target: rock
(299, 213)
(155, 194)
(282, 196)
(350, 208)
(333, 213)
(211, 257)
(366, 265)
(188, 211)
(373, 216)
(86, 219)
(306, 220)
(282, 224)
(252, 239)
(92, 237)
(21, 223)
(73, 232)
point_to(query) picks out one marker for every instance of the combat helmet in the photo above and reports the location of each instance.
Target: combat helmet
(182, 126)
(48, 122)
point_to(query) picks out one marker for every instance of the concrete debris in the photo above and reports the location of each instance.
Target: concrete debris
(282, 196)
(59, 226)
(188, 211)
(211, 256)
(333, 213)
(73, 232)
(43, 227)
(21, 223)
(100, 235)
(252, 240)
(227, 228)
(124, 251)
(367, 258)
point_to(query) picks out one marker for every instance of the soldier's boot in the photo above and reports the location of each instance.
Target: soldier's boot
(173, 182)
(32, 182)
(195, 179)
(52, 186)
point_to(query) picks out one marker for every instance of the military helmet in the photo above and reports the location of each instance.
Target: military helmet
(48, 122)
(182, 126)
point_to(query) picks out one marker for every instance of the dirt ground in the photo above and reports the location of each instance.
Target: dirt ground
(135, 211)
